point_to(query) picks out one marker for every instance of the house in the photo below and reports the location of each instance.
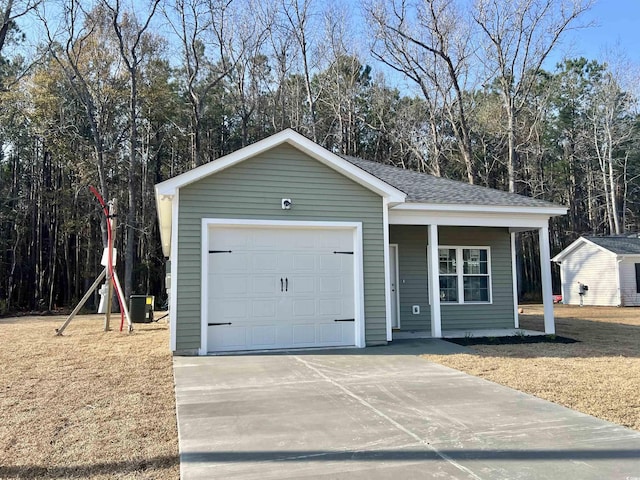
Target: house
(608, 266)
(283, 244)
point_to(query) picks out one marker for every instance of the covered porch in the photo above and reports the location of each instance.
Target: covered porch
(469, 258)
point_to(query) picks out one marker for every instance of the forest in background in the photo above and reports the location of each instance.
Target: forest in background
(122, 96)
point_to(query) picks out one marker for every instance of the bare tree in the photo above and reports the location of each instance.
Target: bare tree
(612, 128)
(520, 35)
(134, 44)
(430, 44)
(280, 44)
(205, 32)
(10, 11)
(79, 46)
(300, 19)
(249, 77)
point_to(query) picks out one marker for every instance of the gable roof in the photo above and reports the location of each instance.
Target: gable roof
(290, 137)
(425, 188)
(618, 244)
(614, 244)
(166, 191)
(397, 186)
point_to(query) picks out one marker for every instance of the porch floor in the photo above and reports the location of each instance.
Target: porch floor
(474, 333)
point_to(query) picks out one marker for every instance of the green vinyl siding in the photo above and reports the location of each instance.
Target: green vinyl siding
(413, 288)
(413, 284)
(253, 189)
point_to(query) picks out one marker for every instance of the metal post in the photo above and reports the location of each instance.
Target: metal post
(124, 302)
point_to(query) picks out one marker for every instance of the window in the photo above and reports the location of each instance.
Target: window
(448, 275)
(465, 274)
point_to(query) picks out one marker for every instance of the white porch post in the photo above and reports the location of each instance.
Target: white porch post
(514, 280)
(545, 270)
(434, 281)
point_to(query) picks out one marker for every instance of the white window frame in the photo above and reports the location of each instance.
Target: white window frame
(460, 273)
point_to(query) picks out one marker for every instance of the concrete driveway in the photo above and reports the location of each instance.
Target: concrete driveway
(380, 413)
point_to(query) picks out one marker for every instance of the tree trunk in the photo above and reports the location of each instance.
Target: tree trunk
(132, 226)
(511, 146)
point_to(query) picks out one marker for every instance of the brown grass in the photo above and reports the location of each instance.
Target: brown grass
(89, 404)
(599, 376)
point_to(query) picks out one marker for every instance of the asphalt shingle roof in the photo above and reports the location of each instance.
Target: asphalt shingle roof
(618, 245)
(425, 188)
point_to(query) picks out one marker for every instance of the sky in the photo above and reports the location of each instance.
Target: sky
(613, 25)
(616, 25)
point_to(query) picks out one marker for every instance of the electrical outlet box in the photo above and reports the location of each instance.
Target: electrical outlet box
(416, 309)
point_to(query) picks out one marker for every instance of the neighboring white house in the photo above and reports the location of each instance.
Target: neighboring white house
(608, 266)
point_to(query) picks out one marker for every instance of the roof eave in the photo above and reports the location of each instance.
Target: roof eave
(550, 211)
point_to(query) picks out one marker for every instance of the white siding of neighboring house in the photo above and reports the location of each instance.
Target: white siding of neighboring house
(595, 268)
(630, 297)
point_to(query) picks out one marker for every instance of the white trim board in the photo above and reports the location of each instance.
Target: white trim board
(467, 219)
(173, 294)
(387, 283)
(397, 292)
(358, 266)
(464, 207)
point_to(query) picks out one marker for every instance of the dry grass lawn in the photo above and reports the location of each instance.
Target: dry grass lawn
(88, 404)
(599, 376)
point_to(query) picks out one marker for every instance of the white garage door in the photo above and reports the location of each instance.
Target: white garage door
(280, 288)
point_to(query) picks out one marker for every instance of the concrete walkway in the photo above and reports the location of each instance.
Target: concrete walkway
(380, 413)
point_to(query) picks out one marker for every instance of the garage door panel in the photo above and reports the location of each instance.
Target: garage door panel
(330, 307)
(330, 333)
(280, 288)
(265, 285)
(331, 262)
(284, 335)
(229, 309)
(265, 262)
(227, 338)
(232, 285)
(229, 262)
(303, 285)
(228, 239)
(304, 307)
(341, 240)
(304, 335)
(263, 309)
(304, 263)
(264, 336)
(330, 285)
